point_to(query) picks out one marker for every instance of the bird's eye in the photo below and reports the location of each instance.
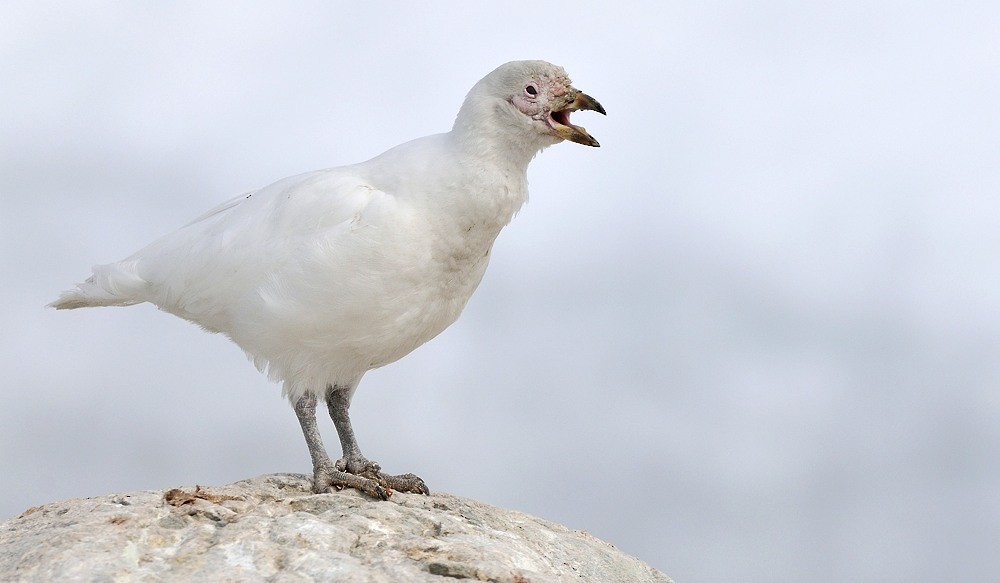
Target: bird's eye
(531, 89)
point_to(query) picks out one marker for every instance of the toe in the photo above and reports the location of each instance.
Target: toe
(366, 476)
(328, 480)
(406, 483)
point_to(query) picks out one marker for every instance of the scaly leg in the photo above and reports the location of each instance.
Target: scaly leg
(326, 476)
(338, 400)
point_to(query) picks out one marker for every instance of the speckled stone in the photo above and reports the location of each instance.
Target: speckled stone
(272, 528)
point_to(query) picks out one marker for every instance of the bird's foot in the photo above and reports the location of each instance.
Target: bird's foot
(328, 479)
(361, 467)
(366, 476)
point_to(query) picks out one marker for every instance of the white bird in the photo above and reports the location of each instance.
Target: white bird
(324, 276)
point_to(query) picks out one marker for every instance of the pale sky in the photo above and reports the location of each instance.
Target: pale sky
(755, 336)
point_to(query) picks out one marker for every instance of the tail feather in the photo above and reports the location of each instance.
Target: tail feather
(116, 284)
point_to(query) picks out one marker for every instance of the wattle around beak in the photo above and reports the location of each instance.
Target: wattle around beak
(559, 118)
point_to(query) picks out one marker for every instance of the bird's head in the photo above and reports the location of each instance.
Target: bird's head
(529, 101)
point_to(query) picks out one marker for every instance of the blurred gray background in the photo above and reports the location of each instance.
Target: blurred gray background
(755, 336)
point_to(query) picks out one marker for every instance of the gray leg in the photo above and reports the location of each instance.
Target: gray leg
(338, 401)
(305, 410)
(326, 476)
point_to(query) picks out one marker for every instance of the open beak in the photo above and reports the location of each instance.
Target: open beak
(559, 118)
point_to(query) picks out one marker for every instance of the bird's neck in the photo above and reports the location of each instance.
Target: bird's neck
(496, 152)
(482, 134)
(497, 175)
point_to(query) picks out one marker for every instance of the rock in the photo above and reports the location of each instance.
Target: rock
(272, 528)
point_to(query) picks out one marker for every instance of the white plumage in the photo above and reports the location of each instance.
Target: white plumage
(326, 275)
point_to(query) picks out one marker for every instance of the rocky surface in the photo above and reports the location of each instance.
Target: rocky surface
(272, 528)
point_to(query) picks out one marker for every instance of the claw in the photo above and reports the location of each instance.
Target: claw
(380, 492)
